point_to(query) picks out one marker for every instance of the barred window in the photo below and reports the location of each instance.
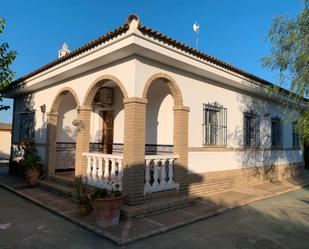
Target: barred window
(214, 124)
(276, 132)
(295, 135)
(26, 128)
(251, 129)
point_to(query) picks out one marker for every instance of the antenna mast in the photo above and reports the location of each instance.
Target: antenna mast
(196, 28)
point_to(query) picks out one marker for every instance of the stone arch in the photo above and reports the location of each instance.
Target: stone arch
(180, 128)
(57, 101)
(92, 90)
(172, 85)
(51, 130)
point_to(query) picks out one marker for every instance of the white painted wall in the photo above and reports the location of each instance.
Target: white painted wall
(123, 70)
(66, 131)
(159, 114)
(196, 91)
(200, 162)
(5, 143)
(134, 73)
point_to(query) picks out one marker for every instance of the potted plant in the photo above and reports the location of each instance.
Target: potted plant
(107, 204)
(82, 198)
(33, 167)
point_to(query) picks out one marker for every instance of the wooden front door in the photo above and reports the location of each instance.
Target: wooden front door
(108, 130)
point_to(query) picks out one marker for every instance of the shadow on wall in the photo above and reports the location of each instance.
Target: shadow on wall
(259, 154)
(159, 117)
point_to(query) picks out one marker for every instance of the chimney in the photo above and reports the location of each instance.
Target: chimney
(64, 51)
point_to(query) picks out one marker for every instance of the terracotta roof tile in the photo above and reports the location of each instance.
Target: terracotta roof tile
(102, 39)
(5, 127)
(155, 35)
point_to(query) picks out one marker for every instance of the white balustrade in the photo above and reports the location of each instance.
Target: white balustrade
(103, 169)
(159, 173)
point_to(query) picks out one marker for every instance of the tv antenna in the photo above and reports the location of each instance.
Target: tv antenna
(196, 28)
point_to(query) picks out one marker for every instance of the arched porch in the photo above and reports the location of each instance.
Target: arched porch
(139, 142)
(61, 134)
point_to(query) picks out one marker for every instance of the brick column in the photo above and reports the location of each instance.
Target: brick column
(82, 140)
(181, 130)
(134, 149)
(51, 135)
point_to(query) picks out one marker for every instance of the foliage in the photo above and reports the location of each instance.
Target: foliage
(81, 191)
(31, 158)
(100, 193)
(290, 59)
(6, 59)
(302, 126)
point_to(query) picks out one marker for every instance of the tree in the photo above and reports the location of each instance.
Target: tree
(6, 59)
(290, 59)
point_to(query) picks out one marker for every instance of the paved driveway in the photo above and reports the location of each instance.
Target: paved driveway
(279, 222)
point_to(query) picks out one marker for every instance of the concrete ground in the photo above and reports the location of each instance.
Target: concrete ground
(278, 222)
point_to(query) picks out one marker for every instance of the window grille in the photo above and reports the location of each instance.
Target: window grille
(251, 129)
(26, 128)
(276, 132)
(295, 135)
(214, 124)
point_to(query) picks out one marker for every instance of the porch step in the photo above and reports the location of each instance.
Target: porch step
(157, 206)
(62, 189)
(62, 179)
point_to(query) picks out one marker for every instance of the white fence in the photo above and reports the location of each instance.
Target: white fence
(103, 169)
(159, 173)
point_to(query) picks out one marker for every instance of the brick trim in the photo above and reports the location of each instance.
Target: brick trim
(92, 90)
(51, 129)
(134, 150)
(171, 83)
(228, 149)
(59, 96)
(203, 184)
(182, 108)
(135, 100)
(82, 141)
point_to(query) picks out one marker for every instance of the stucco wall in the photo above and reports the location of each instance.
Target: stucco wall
(5, 144)
(123, 70)
(66, 132)
(197, 91)
(159, 115)
(134, 73)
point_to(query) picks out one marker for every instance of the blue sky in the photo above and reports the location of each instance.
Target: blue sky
(234, 31)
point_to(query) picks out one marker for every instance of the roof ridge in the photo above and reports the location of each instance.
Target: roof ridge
(154, 34)
(93, 43)
(202, 55)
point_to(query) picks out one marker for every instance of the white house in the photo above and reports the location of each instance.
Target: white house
(154, 114)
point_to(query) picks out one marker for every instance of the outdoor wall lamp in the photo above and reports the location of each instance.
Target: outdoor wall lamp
(43, 108)
(77, 123)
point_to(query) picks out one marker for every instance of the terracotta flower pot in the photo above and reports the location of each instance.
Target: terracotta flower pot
(84, 210)
(107, 210)
(32, 177)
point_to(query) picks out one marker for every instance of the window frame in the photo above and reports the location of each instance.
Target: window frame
(209, 128)
(255, 118)
(26, 132)
(276, 137)
(295, 136)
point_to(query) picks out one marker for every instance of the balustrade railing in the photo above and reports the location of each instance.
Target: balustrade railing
(159, 173)
(103, 169)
